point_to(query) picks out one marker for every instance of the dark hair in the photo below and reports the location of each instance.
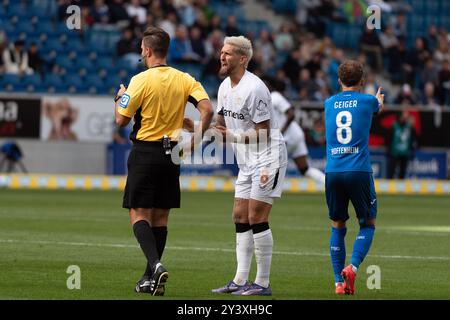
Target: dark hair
(158, 40)
(351, 73)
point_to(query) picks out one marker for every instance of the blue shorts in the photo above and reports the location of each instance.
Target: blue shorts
(340, 187)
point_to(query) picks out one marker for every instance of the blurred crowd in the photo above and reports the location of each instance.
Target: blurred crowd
(299, 53)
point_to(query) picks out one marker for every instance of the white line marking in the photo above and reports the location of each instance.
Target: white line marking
(288, 253)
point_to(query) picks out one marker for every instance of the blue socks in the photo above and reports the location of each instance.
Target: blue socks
(337, 252)
(362, 245)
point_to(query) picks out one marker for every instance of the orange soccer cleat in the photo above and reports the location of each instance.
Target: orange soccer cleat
(340, 288)
(349, 279)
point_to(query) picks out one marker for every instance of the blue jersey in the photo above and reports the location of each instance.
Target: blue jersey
(348, 118)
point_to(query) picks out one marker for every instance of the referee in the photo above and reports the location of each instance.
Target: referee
(156, 98)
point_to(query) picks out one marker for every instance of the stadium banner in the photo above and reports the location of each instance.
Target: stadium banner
(426, 164)
(432, 126)
(77, 118)
(201, 163)
(20, 117)
(208, 184)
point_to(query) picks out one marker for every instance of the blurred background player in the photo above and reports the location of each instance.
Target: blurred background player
(291, 130)
(349, 176)
(245, 115)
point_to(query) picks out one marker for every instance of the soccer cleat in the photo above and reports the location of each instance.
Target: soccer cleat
(349, 279)
(340, 288)
(230, 287)
(158, 281)
(143, 285)
(254, 290)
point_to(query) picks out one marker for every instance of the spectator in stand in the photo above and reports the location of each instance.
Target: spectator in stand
(128, 48)
(187, 13)
(156, 10)
(429, 98)
(405, 96)
(231, 29)
(355, 11)
(204, 10)
(100, 12)
(117, 11)
(371, 46)
(197, 43)
(264, 47)
(202, 24)
(314, 65)
(444, 81)
(180, 49)
(429, 74)
(443, 52)
(34, 58)
(86, 18)
(292, 66)
(432, 38)
(215, 24)
(396, 67)
(415, 60)
(399, 25)
(305, 82)
(62, 9)
(169, 24)
(168, 7)
(15, 59)
(389, 43)
(284, 41)
(370, 87)
(134, 9)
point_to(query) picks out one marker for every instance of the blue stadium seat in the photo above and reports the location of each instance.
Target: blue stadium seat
(73, 80)
(32, 79)
(11, 78)
(64, 62)
(53, 44)
(45, 26)
(76, 46)
(17, 9)
(105, 63)
(52, 79)
(85, 63)
(94, 84)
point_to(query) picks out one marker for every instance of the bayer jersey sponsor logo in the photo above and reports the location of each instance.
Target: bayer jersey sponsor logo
(124, 101)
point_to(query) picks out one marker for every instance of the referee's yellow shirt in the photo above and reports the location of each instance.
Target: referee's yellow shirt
(157, 98)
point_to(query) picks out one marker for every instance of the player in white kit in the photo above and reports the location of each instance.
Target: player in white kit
(245, 114)
(292, 132)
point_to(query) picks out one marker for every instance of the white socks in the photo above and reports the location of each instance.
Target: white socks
(244, 256)
(316, 175)
(263, 253)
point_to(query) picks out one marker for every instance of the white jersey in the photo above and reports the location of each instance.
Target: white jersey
(242, 107)
(280, 106)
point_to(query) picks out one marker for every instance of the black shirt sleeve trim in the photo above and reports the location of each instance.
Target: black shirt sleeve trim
(192, 100)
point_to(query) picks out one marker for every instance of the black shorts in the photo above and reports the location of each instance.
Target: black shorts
(153, 179)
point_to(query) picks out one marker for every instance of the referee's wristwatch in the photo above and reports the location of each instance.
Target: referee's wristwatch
(116, 98)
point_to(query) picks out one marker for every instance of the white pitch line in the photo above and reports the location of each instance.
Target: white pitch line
(288, 253)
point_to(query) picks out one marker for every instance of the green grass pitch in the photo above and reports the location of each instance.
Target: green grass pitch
(42, 233)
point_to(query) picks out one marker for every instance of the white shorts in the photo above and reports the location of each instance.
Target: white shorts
(260, 184)
(295, 143)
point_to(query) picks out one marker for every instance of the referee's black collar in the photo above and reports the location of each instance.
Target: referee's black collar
(159, 65)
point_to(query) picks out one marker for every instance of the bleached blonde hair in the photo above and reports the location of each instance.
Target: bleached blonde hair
(243, 46)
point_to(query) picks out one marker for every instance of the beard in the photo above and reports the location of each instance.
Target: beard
(226, 70)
